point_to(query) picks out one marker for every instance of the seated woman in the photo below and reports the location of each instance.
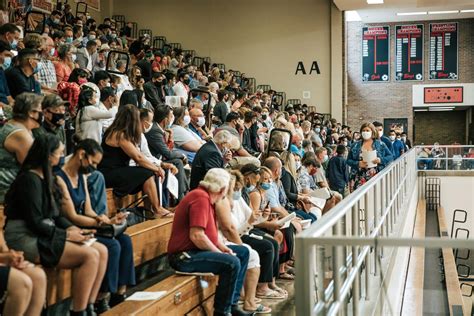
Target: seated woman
(233, 219)
(22, 285)
(256, 183)
(35, 226)
(76, 206)
(184, 139)
(16, 138)
(89, 117)
(120, 145)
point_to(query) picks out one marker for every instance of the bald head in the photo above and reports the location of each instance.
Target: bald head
(275, 165)
(195, 115)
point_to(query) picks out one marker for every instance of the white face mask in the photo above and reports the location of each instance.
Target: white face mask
(146, 130)
(171, 121)
(186, 119)
(366, 135)
(297, 164)
(380, 133)
(404, 139)
(392, 138)
(201, 121)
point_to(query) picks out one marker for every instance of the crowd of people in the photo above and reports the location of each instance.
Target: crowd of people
(76, 121)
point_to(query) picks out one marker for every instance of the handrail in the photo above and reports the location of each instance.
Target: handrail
(381, 200)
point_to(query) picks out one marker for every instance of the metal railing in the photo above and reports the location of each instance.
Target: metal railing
(323, 288)
(451, 157)
(343, 258)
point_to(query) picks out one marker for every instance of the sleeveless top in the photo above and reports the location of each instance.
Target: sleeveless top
(114, 157)
(78, 195)
(9, 166)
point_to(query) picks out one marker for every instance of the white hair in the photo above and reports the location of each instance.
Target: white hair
(215, 180)
(213, 86)
(225, 137)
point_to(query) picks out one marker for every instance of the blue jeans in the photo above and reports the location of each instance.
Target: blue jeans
(304, 215)
(120, 267)
(98, 195)
(230, 269)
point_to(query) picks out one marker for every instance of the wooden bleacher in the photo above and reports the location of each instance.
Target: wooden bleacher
(413, 295)
(455, 299)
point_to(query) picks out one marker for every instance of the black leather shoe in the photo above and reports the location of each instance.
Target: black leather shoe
(236, 311)
(81, 313)
(116, 299)
(101, 306)
(90, 310)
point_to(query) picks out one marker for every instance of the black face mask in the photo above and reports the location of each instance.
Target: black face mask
(186, 81)
(40, 118)
(86, 169)
(264, 117)
(159, 84)
(56, 118)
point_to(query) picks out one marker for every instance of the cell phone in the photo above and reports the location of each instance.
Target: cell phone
(266, 206)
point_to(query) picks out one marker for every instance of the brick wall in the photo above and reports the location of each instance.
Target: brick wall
(376, 101)
(442, 127)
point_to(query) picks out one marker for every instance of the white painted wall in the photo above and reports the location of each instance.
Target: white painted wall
(457, 192)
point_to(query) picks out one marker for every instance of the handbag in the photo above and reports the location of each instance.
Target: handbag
(111, 230)
(137, 214)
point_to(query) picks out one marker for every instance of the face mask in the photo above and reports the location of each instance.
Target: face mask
(317, 130)
(159, 84)
(236, 195)
(264, 117)
(265, 186)
(313, 172)
(392, 138)
(201, 121)
(52, 51)
(91, 37)
(56, 118)
(81, 81)
(298, 164)
(40, 118)
(186, 81)
(14, 44)
(404, 139)
(345, 144)
(74, 57)
(69, 40)
(7, 62)
(56, 21)
(37, 68)
(171, 122)
(250, 188)
(186, 119)
(366, 135)
(326, 158)
(146, 130)
(86, 169)
(113, 36)
(380, 133)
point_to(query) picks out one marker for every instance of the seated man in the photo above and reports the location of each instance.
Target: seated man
(194, 245)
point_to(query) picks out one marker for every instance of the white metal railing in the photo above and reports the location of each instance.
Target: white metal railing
(370, 211)
(361, 234)
(446, 157)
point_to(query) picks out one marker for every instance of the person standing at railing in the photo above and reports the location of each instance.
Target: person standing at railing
(360, 170)
(397, 145)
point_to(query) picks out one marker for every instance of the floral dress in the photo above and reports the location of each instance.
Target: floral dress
(360, 176)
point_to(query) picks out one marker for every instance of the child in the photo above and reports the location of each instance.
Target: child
(338, 176)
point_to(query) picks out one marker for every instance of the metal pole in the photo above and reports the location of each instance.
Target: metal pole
(304, 282)
(355, 256)
(376, 220)
(367, 258)
(336, 264)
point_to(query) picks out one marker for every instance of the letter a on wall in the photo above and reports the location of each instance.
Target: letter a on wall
(300, 67)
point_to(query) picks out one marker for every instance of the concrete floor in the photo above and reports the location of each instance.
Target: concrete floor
(286, 307)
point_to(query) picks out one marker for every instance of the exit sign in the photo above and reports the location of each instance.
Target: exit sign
(443, 95)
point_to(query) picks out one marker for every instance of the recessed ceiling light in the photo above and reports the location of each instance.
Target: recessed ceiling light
(413, 13)
(467, 11)
(374, 1)
(443, 12)
(421, 110)
(352, 16)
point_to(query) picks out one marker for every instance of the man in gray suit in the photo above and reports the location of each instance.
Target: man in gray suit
(87, 56)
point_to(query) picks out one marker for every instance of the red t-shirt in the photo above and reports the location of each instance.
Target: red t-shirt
(195, 210)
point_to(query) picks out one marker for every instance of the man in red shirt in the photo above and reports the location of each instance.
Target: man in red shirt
(194, 245)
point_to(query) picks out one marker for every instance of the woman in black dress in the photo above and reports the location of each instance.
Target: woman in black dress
(35, 226)
(120, 145)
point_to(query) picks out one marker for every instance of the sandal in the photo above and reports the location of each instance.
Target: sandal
(260, 310)
(291, 271)
(272, 295)
(286, 276)
(280, 290)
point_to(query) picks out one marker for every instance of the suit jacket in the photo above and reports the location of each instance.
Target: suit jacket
(157, 145)
(152, 94)
(207, 157)
(289, 184)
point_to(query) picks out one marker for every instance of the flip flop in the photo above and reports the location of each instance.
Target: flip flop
(291, 271)
(165, 215)
(280, 290)
(272, 295)
(286, 276)
(260, 310)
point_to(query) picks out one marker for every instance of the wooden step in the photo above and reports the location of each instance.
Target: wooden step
(413, 295)
(184, 294)
(455, 300)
